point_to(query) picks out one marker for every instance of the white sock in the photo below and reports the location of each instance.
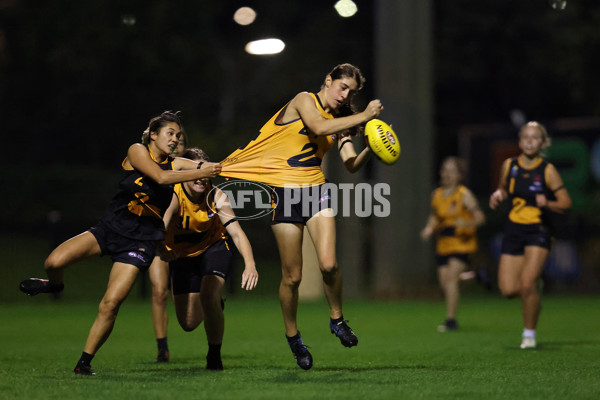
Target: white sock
(529, 333)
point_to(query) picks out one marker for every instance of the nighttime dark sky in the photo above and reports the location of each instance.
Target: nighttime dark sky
(77, 80)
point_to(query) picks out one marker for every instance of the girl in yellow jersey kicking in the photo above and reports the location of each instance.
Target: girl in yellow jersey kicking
(287, 155)
(535, 189)
(455, 216)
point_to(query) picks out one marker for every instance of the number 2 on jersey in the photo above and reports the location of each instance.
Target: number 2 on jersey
(307, 157)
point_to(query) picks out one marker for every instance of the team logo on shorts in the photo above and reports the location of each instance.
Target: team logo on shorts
(136, 255)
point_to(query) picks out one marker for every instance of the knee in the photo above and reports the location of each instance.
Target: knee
(210, 300)
(188, 326)
(509, 291)
(188, 323)
(291, 276)
(528, 289)
(159, 294)
(510, 294)
(291, 280)
(109, 308)
(53, 261)
(329, 268)
(449, 280)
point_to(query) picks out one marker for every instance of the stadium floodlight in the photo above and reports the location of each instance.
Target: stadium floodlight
(244, 16)
(346, 8)
(558, 4)
(128, 19)
(265, 46)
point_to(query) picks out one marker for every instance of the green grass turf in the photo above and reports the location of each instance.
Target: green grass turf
(400, 354)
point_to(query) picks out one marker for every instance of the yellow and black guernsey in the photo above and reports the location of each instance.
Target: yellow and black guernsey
(195, 228)
(282, 154)
(447, 209)
(137, 209)
(523, 184)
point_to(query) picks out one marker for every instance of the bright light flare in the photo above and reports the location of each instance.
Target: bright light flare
(265, 46)
(244, 16)
(346, 8)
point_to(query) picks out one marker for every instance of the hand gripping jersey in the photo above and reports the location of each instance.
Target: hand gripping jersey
(522, 186)
(195, 228)
(282, 154)
(137, 209)
(448, 209)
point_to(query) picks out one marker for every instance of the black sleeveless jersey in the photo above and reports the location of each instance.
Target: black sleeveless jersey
(136, 211)
(523, 185)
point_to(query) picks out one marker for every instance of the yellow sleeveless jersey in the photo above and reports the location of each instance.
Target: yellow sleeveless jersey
(523, 186)
(195, 228)
(282, 154)
(448, 210)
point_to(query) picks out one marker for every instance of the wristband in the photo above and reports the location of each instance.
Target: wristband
(200, 164)
(229, 222)
(344, 142)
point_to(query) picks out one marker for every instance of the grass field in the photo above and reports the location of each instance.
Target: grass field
(400, 354)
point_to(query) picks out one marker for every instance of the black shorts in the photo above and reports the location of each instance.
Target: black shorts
(298, 205)
(518, 236)
(187, 272)
(123, 249)
(442, 260)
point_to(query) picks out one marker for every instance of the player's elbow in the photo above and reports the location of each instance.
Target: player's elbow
(351, 165)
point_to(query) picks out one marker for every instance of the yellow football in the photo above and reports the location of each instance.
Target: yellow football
(383, 141)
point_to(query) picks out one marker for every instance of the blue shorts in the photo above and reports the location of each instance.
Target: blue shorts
(298, 205)
(187, 272)
(139, 253)
(518, 236)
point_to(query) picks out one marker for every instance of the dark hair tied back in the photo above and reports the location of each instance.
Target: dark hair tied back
(158, 122)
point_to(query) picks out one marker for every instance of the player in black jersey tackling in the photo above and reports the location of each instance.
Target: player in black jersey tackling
(130, 227)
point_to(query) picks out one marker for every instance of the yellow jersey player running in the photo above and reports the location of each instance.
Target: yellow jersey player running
(455, 216)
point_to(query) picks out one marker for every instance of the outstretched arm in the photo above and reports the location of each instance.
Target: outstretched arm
(186, 170)
(234, 229)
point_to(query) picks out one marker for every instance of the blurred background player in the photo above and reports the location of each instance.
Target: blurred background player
(198, 222)
(455, 216)
(287, 155)
(130, 228)
(535, 191)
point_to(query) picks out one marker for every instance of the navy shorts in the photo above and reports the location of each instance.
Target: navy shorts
(139, 253)
(518, 236)
(298, 205)
(442, 260)
(187, 272)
